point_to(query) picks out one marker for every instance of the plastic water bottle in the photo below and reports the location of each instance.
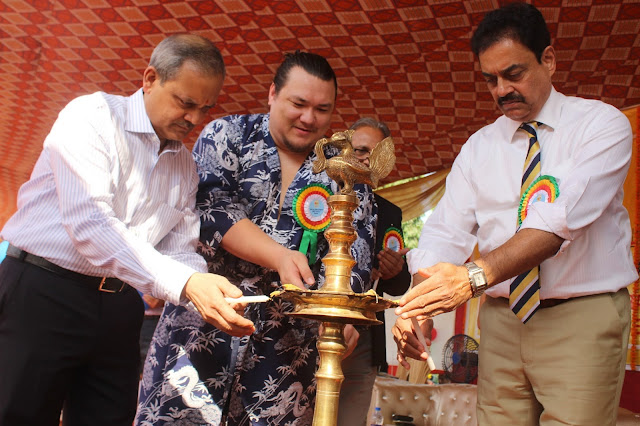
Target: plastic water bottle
(376, 418)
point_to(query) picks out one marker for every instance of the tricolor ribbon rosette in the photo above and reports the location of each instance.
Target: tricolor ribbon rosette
(393, 239)
(312, 212)
(543, 189)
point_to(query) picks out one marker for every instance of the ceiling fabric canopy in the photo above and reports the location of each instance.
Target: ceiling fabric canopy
(406, 62)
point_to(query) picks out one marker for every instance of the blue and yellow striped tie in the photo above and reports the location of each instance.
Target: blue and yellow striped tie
(524, 292)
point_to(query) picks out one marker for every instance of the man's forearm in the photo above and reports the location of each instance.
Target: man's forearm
(525, 250)
(248, 242)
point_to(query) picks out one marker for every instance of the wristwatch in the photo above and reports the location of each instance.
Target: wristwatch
(477, 279)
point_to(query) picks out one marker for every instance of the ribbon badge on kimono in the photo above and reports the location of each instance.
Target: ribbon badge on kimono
(543, 189)
(393, 239)
(311, 210)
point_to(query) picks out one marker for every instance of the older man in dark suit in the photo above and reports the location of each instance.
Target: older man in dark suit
(390, 276)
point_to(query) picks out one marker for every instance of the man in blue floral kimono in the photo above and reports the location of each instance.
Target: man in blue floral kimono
(255, 183)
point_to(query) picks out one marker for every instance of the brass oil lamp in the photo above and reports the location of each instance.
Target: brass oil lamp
(335, 304)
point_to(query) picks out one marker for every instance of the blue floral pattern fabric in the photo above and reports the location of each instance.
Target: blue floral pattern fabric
(195, 374)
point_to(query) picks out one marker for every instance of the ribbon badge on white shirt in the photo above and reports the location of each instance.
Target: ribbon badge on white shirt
(311, 210)
(543, 189)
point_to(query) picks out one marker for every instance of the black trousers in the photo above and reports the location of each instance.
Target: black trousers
(62, 342)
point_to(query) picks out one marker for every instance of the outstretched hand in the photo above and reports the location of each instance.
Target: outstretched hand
(207, 293)
(445, 288)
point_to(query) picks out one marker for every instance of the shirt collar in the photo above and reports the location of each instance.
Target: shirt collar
(138, 121)
(549, 115)
(137, 118)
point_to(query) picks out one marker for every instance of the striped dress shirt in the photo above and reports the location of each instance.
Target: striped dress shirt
(103, 201)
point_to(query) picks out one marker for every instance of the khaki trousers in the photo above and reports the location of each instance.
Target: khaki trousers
(564, 367)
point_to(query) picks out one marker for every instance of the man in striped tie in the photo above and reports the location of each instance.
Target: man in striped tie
(540, 193)
(110, 204)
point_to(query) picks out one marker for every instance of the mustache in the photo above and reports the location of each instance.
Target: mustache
(510, 98)
(186, 124)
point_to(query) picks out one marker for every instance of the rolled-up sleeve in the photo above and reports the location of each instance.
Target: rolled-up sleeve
(599, 167)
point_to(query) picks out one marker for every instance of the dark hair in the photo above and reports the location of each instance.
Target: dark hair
(175, 50)
(521, 22)
(312, 63)
(373, 123)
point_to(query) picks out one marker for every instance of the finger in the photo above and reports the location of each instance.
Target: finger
(305, 272)
(407, 342)
(211, 305)
(412, 346)
(293, 278)
(390, 268)
(425, 272)
(240, 326)
(423, 312)
(384, 271)
(403, 361)
(389, 258)
(240, 332)
(227, 289)
(425, 296)
(384, 262)
(239, 308)
(414, 292)
(436, 302)
(223, 311)
(412, 298)
(230, 316)
(234, 325)
(403, 251)
(426, 306)
(393, 256)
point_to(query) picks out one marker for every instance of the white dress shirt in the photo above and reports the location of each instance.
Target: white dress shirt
(102, 201)
(586, 146)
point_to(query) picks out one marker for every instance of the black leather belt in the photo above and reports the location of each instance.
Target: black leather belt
(109, 285)
(546, 303)
(550, 303)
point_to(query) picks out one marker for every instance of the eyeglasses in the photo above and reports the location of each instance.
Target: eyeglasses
(361, 154)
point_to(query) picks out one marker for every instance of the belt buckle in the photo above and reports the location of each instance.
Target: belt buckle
(107, 290)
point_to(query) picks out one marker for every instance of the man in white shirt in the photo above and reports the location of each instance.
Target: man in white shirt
(109, 205)
(545, 347)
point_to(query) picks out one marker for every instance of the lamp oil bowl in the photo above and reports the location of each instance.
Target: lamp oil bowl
(335, 304)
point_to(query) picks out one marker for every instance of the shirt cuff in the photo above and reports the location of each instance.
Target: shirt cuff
(549, 217)
(420, 259)
(172, 278)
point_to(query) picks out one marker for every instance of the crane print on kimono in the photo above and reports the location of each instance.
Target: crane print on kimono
(196, 374)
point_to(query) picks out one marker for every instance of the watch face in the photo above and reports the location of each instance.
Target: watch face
(477, 279)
